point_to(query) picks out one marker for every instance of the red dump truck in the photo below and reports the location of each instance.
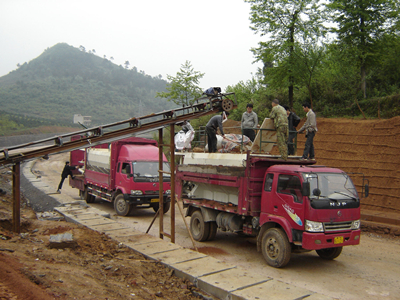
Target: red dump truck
(124, 172)
(288, 205)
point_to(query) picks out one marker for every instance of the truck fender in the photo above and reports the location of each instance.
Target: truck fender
(120, 190)
(116, 193)
(271, 222)
(209, 214)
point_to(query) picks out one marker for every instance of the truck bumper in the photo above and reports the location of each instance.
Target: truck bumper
(316, 241)
(132, 199)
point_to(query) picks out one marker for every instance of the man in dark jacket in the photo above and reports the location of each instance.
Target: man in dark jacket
(67, 171)
(293, 121)
(211, 130)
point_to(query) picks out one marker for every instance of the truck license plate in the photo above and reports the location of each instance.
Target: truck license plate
(338, 240)
(155, 200)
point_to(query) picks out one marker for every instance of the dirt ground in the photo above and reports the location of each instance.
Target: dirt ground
(96, 267)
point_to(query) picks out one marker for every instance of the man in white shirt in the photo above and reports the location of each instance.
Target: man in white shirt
(310, 126)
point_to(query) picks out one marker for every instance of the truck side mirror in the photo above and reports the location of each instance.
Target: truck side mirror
(366, 190)
(305, 190)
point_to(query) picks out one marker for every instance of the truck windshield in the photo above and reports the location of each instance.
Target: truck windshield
(333, 186)
(149, 169)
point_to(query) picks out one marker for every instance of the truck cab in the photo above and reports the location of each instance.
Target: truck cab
(318, 208)
(137, 178)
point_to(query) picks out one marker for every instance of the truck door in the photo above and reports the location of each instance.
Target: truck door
(267, 199)
(290, 199)
(122, 178)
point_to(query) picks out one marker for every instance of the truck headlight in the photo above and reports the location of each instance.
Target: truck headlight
(167, 192)
(136, 192)
(311, 226)
(355, 224)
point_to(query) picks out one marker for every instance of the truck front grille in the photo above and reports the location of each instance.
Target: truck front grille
(337, 226)
(151, 192)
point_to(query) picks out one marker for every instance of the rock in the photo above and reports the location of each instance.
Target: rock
(62, 240)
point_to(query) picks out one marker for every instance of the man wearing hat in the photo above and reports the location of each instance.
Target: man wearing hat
(66, 171)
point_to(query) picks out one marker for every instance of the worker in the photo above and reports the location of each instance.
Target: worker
(211, 130)
(278, 113)
(67, 171)
(249, 121)
(310, 126)
(293, 121)
(212, 91)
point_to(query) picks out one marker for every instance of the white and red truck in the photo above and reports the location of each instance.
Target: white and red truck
(288, 205)
(125, 172)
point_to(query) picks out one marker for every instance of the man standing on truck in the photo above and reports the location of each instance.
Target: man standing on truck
(211, 130)
(310, 126)
(293, 121)
(278, 113)
(66, 171)
(249, 121)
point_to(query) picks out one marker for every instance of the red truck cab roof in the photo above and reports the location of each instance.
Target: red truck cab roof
(303, 169)
(139, 153)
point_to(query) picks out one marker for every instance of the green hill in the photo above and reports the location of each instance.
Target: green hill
(64, 81)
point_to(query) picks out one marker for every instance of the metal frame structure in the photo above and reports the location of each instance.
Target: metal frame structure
(107, 133)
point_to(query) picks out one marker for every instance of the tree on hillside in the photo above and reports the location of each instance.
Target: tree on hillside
(284, 23)
(310, 59)
(127, 64)
(183, 89)
(361, 25)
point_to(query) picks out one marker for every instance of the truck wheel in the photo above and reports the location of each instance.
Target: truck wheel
(121, 206)
(87, 197)
(276, 248)
(213, 231)
(166, 207)
(200, 230)
(329, 253)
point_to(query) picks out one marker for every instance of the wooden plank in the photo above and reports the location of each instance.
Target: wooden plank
(266, 135)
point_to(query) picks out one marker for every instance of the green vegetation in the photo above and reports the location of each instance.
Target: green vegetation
(183, 89)
(352, 72)
(64, 81)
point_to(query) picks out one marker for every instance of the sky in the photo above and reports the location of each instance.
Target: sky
(156, 36)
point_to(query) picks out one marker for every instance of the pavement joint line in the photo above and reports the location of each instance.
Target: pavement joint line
(144, 243)
(183, 261)
(216, 272)
(253, 284)
(303, 297)
(93, 225)
(107, 230)
(159, 252)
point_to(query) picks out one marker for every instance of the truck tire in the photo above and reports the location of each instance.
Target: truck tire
(87, 197)
(200, 230)
(213, 231)
(121, 206)
(276, 247)
(166, 207)
(329, 253)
